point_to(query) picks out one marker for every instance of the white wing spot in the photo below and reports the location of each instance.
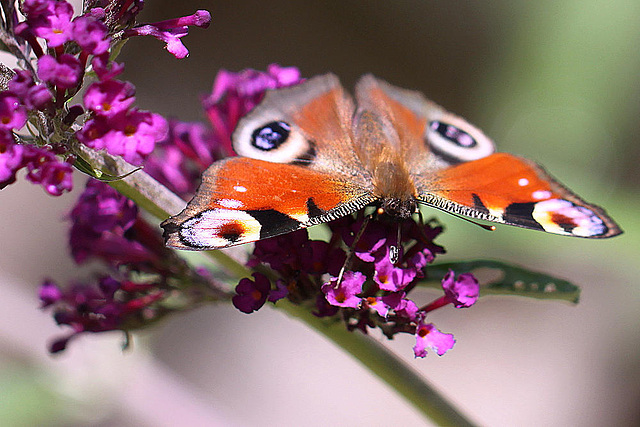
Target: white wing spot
(522, 182)
(541, 194)
(240, 188)
(230, 203)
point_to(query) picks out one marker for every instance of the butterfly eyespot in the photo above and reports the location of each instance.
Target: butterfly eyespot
(453, 134)
(272, 139)
(455, 140)
(270, 136)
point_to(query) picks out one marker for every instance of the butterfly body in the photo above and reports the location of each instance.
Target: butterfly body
(310, 154)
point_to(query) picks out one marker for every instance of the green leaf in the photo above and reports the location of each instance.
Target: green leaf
(501, 278)
(85, 167)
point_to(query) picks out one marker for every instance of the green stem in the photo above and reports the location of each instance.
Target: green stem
(160, 202)
(386, 365)
(230, 264)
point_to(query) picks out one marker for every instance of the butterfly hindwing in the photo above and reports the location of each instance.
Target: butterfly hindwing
(308, 124)
(511, 190)
(433, 138)
(242, 200)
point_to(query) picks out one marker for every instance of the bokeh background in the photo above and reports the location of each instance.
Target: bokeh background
(554, 81)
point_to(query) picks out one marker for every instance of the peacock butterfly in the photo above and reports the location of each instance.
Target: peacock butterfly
(309, 154)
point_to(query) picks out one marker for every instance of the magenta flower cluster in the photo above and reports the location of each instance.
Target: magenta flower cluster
(42, 165)
(117, 128)
(143, 273)
(104, 306)
(373, 292)
(106, 226)
(58, 49)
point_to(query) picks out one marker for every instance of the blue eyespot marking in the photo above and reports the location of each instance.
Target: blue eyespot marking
(453, 134)
(270, 136)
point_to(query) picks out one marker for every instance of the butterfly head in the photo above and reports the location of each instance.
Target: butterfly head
(398, 208)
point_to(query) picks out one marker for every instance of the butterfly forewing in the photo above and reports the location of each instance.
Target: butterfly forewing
(243, 200)
(512, 190)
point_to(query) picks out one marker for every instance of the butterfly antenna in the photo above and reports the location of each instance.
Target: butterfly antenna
(351, 250)
(483, 226)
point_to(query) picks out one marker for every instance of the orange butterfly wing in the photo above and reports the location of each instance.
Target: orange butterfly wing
(242, 200)
(511, 190)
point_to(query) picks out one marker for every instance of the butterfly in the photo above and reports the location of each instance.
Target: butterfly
(309, 154)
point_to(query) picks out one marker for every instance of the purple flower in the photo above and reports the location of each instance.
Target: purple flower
(392, 278)
(91, 35)
(45, 169)
(105, 68)
(279, 292)
(168, 166)
(50, 20)
(20, 83)
(420, 260)
(131, 135)
(403, 307)
(50, 293)
(38, 98)
(33, 96)
(35, 8)
(43, 166)
(105, 225)
(97, 13)
(461, 292)
(281, 253)
(371, 246)
(378, 305)
(64, 71)
(303, 263)
(427, 335)
(11, 159)
(107, 306)
(110, 97)
(250, 85)
(345, 294)
(172, 30)
(323, 308)
(251, 294)
(318, 257)
(100, 208)
(12, 114)
(108, 286)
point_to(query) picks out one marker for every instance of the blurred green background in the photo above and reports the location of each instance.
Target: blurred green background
(556, 82)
